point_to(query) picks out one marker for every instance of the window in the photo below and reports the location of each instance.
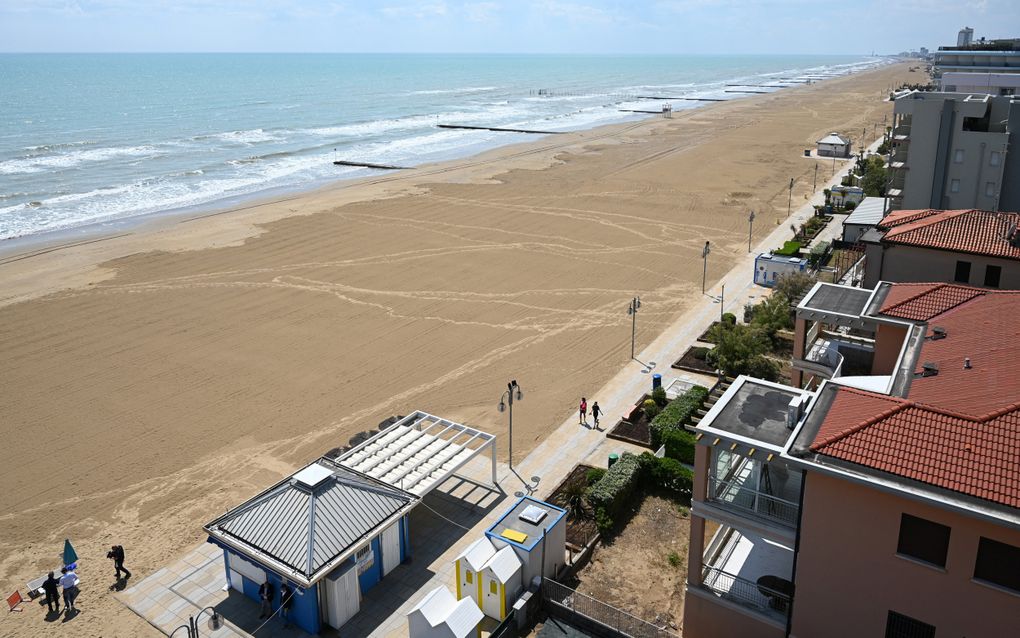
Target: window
(954, 186)
(469, 576)
(992, 274)
(492, 587)
(958, 156)
(998, 563)
(995, 158)
(900, 626)
(989, 189)
(924, 540)
(1007, 90)
(950, 88)
(365, 558)
(962, 275)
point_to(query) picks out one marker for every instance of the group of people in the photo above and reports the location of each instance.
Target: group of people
(266, 598)
(596, 412)
(68, 583)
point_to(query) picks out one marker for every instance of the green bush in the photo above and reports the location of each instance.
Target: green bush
(700, 353)
(679, 444)
(659, 396)
(593, 475)
(615, 487)
(673, 558)
(668, 474)
(603, 520)
(730, 318)
(743, 350)
(677, 413)
(789, 249)
(650, 408)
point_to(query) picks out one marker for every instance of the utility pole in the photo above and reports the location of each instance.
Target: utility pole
(632, 309)
(789, 204)
(814, 186)
(750, 229)
(704, 272)
(722, 303)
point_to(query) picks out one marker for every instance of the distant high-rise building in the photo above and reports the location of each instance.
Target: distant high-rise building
(964, 37)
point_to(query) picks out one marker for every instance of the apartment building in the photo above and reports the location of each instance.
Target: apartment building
(950, 151)
(975, 82)
(997, 56)
(970, 247)
(879, 495)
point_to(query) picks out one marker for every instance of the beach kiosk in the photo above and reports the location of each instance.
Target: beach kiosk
(469, 566)
(537, 533)
(768, 268)
(440, 615)
(330, 533)
(502, 583)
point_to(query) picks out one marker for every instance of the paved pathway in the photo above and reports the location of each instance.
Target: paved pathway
(461, 510)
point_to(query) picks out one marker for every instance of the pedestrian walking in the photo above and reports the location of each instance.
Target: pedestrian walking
(52, 593)
(69, 582)
(596, 412)
(584, 411)
(286, 601)
(117, 554)
(266, 597)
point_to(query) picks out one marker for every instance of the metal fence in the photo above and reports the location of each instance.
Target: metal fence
(745, 592)
(559, 597)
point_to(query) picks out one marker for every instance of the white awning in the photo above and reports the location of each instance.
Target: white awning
(419, 452)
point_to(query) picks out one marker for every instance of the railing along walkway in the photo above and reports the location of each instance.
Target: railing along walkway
(559, 596)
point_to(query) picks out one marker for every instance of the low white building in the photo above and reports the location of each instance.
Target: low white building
(832, 145)
(537, 533)
(469, 566)
(843, 195)
(866, 216)
(769, 267)
(501, 583)
(987, 83)
(440, 615)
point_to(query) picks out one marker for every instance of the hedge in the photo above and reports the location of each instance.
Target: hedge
(613, 490)
(678, 412)
(789, 249)
(680, 445)
(666, 473)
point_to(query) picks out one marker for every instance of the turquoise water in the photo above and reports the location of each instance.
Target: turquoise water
(100, 138)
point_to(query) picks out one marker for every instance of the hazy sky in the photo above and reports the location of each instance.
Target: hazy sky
(584, 26)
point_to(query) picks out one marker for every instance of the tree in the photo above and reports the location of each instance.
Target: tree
(793, 285)
(875, 178)
(741, 350)
(773, 315)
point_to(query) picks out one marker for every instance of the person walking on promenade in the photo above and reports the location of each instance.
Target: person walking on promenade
(596, 412)
(286, 601)
(52, 594)
(266, 597)
(117, 554)
(584, 411)
(69, 582)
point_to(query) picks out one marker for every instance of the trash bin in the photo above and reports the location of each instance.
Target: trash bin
(613, 458)
(807, 152)
(656, 381)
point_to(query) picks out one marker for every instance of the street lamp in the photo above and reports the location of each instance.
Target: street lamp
(215, 623)
(814, 186)
(508, 397)
(750, 229)
(632, 309)
(789, 204)
(704, 272)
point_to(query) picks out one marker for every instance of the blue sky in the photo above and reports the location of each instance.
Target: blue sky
(511, 26)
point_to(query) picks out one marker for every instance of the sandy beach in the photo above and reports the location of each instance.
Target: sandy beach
(154, 379)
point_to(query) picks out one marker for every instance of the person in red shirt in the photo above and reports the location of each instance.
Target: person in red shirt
(584, 411)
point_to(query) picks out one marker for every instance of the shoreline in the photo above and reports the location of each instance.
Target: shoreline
(217, 370)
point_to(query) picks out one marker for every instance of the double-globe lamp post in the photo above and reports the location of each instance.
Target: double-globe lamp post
(215, 623)
(508, 397)
(632, 309)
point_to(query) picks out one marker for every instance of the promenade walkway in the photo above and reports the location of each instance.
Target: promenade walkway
(458, 513)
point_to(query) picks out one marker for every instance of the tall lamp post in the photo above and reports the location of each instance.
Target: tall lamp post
(814, 186)
(508, 397)
(789, 204)
(704, 272)
(632, 309)
(215, 623)
(750, 229)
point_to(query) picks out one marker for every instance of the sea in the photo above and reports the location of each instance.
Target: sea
(99, 140)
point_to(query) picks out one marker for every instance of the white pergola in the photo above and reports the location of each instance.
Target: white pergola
(419, 452)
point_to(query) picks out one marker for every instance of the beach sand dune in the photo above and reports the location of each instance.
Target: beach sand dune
(151, 381)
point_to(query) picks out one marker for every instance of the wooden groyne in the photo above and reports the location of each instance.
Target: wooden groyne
(499, 129)
(689, 99)
(385, 167)
(762, 86)
(758, 92)
(640, 111)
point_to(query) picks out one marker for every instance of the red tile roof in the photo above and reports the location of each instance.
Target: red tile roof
(958, 429)
(923, 302)
(967, 231)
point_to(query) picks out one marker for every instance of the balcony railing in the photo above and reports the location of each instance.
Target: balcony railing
(751, 501)
(744, 592)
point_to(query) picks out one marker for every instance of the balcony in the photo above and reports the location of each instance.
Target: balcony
(763, 495)
(750, 571)
(822, 359)
(832, 354)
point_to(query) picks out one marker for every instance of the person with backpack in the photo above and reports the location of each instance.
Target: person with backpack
(266, 598)
(117, 554)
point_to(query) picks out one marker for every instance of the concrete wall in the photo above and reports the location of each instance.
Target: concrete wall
(849, 575)
(707, 616)
(912, 264)
(888, 343)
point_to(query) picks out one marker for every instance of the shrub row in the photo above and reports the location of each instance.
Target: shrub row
(609, 495)
(668, 474)
(679, 445)
(678, 412)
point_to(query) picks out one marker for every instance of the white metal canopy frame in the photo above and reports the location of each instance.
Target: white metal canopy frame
(419, 452)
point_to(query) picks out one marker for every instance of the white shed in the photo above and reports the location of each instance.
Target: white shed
(769, 267)
(866, 216)
(537, 532)
(440, 615)
(501, 583)
(832, 145)
(469, 566)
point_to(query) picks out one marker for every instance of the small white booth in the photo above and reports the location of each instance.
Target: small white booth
(501, 583)
(440, 615)
(469, 566)
(769, 267)
(537, 532)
